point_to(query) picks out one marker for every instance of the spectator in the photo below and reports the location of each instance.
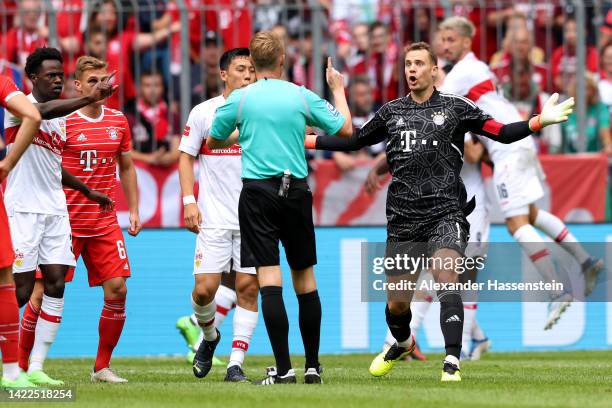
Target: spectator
(123, 43)
(545, 18)
(606, 28)
(231, 19)
(597, 133)
(154, 140)
(518, 22)
(382, 64)
(96, 43)
(563, 61)
(522, 88)
(361, 103)
(302, 69)
(22, 40)
(71, 23)
(484, 42)
(605, 84)
(520, 53)
(356, 60)
(154, 15)
(205, 71)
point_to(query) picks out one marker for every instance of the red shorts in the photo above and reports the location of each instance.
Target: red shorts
(105, 257)
(7, 255)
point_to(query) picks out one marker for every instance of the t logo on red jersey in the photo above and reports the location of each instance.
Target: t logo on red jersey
(88, 157)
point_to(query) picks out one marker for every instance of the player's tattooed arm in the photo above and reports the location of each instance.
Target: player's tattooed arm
(71, 181)
(62, 107)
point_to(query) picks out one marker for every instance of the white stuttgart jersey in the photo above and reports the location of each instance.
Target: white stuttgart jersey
(35, 184)
(472, 179)
(473, 79)
(220, 169)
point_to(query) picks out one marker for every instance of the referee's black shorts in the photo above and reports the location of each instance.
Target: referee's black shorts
(265, 218)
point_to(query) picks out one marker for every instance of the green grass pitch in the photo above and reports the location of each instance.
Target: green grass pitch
(563, 379)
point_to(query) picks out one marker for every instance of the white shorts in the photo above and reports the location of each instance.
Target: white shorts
(218, 250)
(40, 239)
(479, 233)
(518, 182)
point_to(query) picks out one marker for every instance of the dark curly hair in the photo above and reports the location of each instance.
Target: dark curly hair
(35, 59)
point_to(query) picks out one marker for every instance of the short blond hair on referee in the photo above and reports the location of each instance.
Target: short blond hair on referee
(461, 25)
(266, 50)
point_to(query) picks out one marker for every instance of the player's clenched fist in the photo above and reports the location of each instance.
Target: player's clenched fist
(192, 218)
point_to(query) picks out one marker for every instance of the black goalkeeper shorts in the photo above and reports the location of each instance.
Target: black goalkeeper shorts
(448, 231)
(266, 218)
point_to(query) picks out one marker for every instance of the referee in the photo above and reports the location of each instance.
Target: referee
(275, 203)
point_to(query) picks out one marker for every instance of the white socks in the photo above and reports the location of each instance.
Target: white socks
(419, 309)
(205, 315)
(556, 229)
(477, 333)
(46, 330)
(244, 325)
(10, 371)
(469, 315)
(225, 298)
(535, 247)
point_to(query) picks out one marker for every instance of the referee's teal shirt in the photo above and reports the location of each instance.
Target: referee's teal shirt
(271, 116)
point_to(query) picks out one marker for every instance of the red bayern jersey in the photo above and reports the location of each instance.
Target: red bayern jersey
(92, 148)
(8, 89)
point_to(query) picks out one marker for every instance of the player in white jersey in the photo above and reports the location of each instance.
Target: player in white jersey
(36, 203)
(215, 220)
(517, 172)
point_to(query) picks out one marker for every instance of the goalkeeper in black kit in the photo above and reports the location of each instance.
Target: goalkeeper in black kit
(426, 201)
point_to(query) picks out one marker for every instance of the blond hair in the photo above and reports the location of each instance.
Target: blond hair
(88, 63)
(460, 25)
(266, 50)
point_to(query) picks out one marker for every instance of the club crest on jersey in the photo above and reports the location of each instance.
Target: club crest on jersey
(198, 258)
(112, 133)
(438, 118)
(56, 140)
(19, 258)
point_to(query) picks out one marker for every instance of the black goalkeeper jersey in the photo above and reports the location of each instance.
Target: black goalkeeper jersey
(424, 154)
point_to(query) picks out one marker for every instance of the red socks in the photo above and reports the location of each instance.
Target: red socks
(109, 329)
(9, 323)
(27, 334)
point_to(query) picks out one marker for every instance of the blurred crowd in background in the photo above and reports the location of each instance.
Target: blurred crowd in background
(530, 46)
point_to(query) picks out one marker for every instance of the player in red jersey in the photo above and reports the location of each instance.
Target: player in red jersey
(97, 140)
(15, 102)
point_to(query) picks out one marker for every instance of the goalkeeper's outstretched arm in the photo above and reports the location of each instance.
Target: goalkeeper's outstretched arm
(552, 113)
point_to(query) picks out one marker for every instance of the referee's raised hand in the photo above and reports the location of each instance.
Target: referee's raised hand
(335, 79)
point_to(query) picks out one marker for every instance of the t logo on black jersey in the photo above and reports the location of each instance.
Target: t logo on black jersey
(407, 137)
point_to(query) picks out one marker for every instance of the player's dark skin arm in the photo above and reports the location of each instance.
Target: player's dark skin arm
(71, 181)
(62, 107)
